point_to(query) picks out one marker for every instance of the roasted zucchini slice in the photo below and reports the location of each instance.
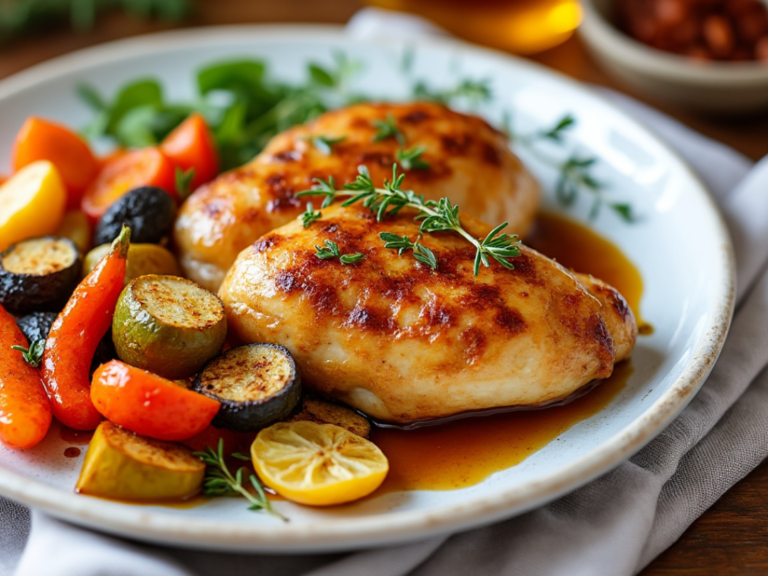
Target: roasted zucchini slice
(320, 411)
(39, 274)
(142, 259)
(168, 325)
(148, 211)
(257, 385)
(124, 466)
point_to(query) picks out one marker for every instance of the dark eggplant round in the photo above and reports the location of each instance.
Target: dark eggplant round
(256, 384)
(37, 325)
(148, 211)
(39, 274)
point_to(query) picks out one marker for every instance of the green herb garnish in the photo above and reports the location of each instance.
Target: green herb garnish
(411, 159)
(219, 481)
(34, 354)
(388, 129)
(403, 243)
(309, 216)
(325, 143)
(331, 251)
(435, 216)
(184, 182)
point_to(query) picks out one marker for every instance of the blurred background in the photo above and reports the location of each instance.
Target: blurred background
(701, 60)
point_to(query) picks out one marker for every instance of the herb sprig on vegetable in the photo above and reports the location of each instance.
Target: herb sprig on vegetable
(435, 216)
(219, 481)
(34, 354)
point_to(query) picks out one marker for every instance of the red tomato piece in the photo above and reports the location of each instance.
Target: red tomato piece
(191, 145)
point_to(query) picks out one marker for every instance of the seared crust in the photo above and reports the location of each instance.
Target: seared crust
(469, 162)
(402, 342)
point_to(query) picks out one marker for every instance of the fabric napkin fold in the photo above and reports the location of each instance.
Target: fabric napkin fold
(613, 526)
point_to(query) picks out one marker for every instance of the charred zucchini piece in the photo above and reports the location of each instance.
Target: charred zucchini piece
(321, 412)
(257, 384)
(124, 466)
(39, 274)
(142, 259)
(148, 211)
(168, 325)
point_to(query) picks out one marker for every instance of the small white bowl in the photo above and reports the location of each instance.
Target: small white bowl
(721, 87)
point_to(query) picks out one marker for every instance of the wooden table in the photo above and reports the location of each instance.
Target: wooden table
(730, 537)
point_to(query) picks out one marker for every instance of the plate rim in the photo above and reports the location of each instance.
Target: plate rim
(358, 532)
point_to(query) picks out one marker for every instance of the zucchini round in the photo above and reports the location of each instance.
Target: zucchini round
(257, 385)
(148, 211)
(39, 274)
(168, 325)
(142, 259)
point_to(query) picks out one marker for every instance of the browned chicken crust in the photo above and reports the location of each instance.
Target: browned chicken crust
(469, 162)
(403, 342)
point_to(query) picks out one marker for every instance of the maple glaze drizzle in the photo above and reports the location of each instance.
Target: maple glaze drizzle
(464, 452)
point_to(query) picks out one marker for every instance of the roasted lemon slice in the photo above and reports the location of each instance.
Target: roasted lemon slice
(317, 464)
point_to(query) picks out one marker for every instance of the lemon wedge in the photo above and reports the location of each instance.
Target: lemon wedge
(317, 464)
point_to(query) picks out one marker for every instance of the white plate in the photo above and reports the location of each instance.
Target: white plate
(681, 247)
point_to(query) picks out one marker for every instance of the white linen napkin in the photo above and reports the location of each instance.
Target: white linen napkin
(614, 526)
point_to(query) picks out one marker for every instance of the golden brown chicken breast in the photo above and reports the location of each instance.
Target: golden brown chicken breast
(464, 159)
(403, 342)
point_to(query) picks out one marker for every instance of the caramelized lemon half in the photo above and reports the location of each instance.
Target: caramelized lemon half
(317, 464)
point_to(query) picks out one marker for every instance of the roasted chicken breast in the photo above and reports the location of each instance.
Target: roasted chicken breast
(402, 342)
(468, 161)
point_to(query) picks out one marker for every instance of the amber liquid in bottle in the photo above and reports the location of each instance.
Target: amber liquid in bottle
(520, 26)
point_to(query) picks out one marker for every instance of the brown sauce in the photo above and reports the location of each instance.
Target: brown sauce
(75, 436)
(465, 452)
(72, 452)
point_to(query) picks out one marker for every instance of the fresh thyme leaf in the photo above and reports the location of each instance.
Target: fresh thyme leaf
(184, 182)
(351, 258)
(325, 143)
(624, 210)
(556, 132)
(219, 481)
(330, 251)
(475, 91)
(34, 355)
(321, 76)
(440, 216)
(411, 159)
(309, 216)
(388, 129)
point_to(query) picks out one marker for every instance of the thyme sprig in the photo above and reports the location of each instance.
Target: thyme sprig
(219, 481)
(184, 182)
(34, 354)
(331, 251)
(325, 144)
(310, 215)
(403, 243)
(411, 159)
(388, 129)
(435, 216)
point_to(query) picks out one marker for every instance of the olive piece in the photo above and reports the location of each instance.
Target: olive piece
(148, 211)
(37, 325)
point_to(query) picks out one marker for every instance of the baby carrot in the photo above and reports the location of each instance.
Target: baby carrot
(25, 413)
(75, 334)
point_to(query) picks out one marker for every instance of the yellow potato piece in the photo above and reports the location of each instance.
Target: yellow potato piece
(124, 466)
(76, 227)
(317, 464)
(32, 203)
(143, 259)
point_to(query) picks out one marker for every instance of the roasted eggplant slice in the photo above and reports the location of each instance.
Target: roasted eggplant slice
(257, 385)
(168, 325)
(125, 466)
(39, 274)
(148, 211)
(320, 411)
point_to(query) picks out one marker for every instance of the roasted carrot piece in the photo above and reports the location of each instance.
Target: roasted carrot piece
(148, 404)
(25, 412)
(124, 172)
(41, 139)
(75, 334)
(191, 146)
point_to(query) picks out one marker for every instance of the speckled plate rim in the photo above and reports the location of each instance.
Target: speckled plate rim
(357, 532)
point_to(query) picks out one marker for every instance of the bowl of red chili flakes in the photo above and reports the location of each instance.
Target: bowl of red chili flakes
(704, 55)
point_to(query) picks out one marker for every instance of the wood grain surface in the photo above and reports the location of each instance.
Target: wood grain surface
(729, 539)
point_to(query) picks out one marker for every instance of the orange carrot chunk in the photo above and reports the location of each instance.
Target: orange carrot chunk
(123, 173)
(75, 334)
(148, 404)
(25, 412)
(41, 139)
